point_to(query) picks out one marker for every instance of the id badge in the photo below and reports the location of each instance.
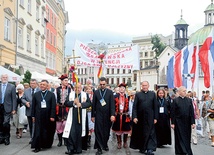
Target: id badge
(121, 107)
(43, 104)
(161, 110)
(103, 102)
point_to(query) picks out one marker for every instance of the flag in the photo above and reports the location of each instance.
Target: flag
(170, 73)
(195, 68)
(74, 77)
(205, 56)
(100, 71)
(178, 69)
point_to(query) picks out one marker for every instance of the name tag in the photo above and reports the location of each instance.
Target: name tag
(121, 107)
(161, 110)
(103, 102)
(43, 104)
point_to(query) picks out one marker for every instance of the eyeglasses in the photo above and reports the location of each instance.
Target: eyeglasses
(102, 84)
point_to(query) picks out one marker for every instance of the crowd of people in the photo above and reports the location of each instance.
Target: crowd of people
(75, 112)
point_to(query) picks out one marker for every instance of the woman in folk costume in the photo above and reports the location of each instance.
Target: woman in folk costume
(122, 122)
(61, 111)
(89, 91)
(76, 128)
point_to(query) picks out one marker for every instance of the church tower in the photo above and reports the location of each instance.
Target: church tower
(181, 31)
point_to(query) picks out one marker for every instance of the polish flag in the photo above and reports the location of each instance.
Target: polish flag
(178, 69)
(206, 59)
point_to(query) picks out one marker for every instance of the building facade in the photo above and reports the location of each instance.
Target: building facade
(7, 33)
(30, 35)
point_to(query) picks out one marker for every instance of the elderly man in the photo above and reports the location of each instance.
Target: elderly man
(8, 106)
(76, 128)
(182, 114)
(144, 115)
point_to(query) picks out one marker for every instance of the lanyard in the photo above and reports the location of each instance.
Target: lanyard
(161, 102)
(103, 94)
(43, 97)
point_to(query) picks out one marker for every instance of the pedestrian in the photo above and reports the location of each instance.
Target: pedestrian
(8, 105)
(131, 102)
(121, 125)
(27, 101)
(19, 126)
(43, 115)
(210, 119)
(76, 128)
(61, 110)
(162, 127)
(145, 115)
(90, 92)
(103, 111)
(182, 114)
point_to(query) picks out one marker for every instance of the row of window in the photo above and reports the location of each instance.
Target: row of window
(147, 54)
(50, 37)
(50, 60)
(118, 71)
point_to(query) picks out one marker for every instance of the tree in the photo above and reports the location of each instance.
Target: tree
(27, 77)
(158, 46)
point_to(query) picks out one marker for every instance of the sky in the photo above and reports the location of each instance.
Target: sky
(115, 21)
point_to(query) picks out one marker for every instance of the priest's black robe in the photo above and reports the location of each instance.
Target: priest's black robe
(162, 127)
(182, 114)
(75, 142)
(145, 109)
(44, 128)
(102, 114)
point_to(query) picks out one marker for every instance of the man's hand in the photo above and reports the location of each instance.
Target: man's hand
(193, 126)
(93, 119)
(33, 119)
(76, 101)
(13, 112)
(28, 104)
(135, 120)
(52, 119)
(155, 121)
(79, 105)
(172, 126)
(112, 118)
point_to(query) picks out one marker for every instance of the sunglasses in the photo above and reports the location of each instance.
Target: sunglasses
(102, 84)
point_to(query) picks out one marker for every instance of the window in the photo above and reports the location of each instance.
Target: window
(36, 45)
(20, 37)
(146, 54)
(151, 54)
(124, 80)
(52, 20)
(43, 16)
(47, 35)
(124, 71)
(51, 39)
(28, 42)
(37, 12)
(107, 80)
(146, 63)
(118, 81)
(6, 29)
(22, 3)
(107, 71)
(42, 48)
(141, 64)
(112, 80)
(118, 71)
(54, 42)
(135, 77)
(29, 6)
(112, 71)
(48, 14)
(129, 71)
(85, 71)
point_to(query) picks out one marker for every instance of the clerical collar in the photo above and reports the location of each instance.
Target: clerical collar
(145, 92)
(43, 91)
(181, 97)
(103, 89)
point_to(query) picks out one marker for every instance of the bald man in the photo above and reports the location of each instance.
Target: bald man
(182, 114)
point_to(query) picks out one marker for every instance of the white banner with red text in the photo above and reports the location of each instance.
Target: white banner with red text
(127, 58)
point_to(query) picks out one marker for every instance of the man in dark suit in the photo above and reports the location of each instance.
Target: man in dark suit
(27, 101)
(8, 106)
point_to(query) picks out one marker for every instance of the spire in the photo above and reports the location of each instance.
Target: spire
(181, 14)
(211, 1)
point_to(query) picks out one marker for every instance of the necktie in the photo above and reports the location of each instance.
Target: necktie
(32, 92)
(3, 92)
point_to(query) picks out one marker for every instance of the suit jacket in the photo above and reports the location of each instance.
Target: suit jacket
(27, 97)
(10, 102)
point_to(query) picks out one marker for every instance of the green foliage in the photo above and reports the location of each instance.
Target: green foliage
(158, 46)
(27, 77)
(17, 71)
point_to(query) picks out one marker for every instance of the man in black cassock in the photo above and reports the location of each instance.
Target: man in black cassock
(103, 111)
(43, 115)
(145, 115)
(182, 114)
(77, 121)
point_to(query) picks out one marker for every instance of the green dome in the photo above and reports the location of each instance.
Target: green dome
(210, 8)
(200, 35)
(181, 22)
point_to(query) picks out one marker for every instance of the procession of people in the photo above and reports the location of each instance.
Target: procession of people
(140, 119)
